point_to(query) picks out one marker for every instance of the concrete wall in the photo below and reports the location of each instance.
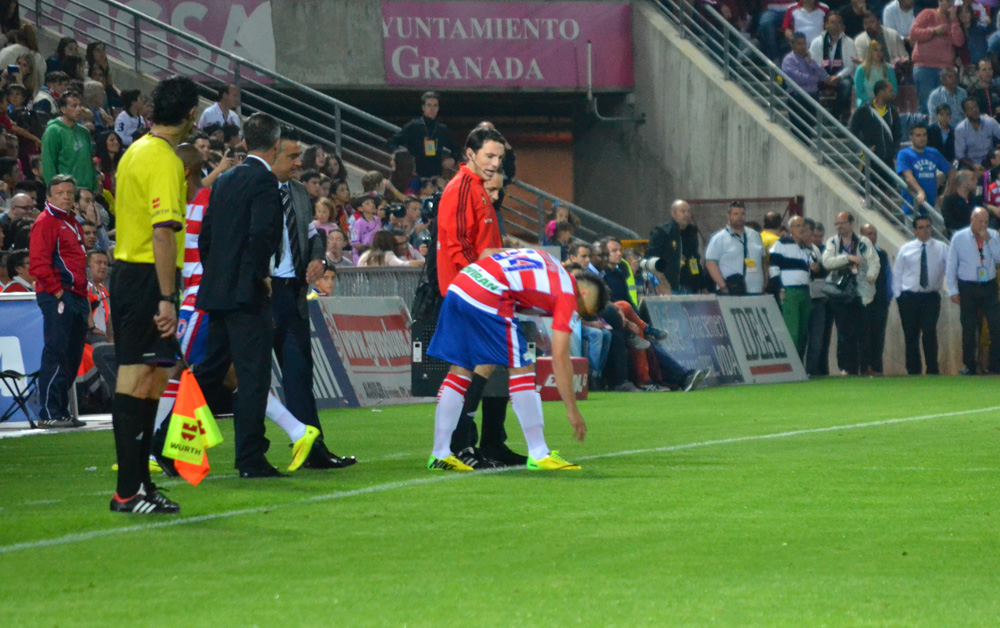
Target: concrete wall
(704, 138)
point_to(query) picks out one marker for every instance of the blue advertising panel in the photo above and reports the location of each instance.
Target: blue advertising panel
(697, 335)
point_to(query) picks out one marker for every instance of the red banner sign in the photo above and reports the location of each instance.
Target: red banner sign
(539, 45)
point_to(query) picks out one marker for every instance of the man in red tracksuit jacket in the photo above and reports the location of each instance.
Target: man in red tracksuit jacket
(467, 230)
(59, 266)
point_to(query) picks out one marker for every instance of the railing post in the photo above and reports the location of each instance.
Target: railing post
(337, 132)
(868, 183)
(819, 136)
(38, 13)
(772, 79)
(725, 53)
(540, 206)
(237, 80)
(137, 42)
(680, 17)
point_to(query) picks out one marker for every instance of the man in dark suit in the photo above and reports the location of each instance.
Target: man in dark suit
(298, 264)
(877, 312)
(240, 232)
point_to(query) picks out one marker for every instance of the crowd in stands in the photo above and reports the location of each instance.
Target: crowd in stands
(883, 68)
(63, 116)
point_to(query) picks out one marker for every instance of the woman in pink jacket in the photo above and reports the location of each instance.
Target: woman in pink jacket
(935, 34)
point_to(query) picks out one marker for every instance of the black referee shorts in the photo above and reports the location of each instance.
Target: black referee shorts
(135, 298)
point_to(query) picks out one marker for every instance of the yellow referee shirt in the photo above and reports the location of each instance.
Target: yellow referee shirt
(152, 192)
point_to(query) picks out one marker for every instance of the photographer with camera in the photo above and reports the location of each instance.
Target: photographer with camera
(735, 257)
(672, 254)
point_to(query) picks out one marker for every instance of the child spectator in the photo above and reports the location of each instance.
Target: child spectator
(324, 217)
(564, 233)
(325, 284)
(342, 211)
(560, 213)
(367, 225)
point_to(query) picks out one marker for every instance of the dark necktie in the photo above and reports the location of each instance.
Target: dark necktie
(293, 234)
(923, 266)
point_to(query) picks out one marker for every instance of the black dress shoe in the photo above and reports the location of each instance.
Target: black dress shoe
(260, 471)
(502, 454)
(327, 460)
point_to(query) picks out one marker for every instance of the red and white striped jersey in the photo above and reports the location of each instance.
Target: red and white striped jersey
(192, 258)
(522, 280)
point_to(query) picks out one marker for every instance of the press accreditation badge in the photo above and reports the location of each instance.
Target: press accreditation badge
(981, 274)
(430, 147)
(750, 262)
(693, 263)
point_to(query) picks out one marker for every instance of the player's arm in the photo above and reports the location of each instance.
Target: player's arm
(562, 370)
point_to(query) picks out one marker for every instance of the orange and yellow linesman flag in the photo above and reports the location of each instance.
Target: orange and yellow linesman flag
(192, 431)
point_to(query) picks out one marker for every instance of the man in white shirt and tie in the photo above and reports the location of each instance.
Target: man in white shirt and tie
(971, 279)
(917, 278)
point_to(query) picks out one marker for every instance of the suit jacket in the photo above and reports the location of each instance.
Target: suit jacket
(311, 241)
(240, 232)
(936, 140)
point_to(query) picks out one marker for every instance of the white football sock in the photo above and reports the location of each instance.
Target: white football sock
(166, 405)
(451, 398)
(278, 413)
(528, 408)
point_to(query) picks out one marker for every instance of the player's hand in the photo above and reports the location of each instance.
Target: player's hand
(166, 319)
(314, 271)
(267, 287)
(955, 299)
(579, 425)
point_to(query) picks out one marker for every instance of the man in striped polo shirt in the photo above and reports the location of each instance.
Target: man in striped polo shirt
(793, 262)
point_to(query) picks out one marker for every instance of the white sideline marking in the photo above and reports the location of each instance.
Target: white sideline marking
(381, 488)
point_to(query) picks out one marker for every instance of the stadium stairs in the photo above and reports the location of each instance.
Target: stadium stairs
(359, 137)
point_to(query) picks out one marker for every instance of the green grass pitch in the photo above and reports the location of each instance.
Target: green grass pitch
(844, 502)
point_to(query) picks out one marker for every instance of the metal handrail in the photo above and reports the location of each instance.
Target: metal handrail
(363, 137)
(835, 146)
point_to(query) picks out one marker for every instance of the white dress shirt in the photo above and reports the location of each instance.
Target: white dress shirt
(906, 270)
(213, 115)
(965, 259)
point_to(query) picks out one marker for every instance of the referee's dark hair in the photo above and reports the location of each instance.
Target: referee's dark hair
(61, 178)
(261, 132)
(173, 99)
(480, 135)
(600, 288)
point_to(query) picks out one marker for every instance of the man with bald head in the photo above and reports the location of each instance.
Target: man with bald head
(793, 264)
(20, 207)
(673, 252)
(970, 275)
(876, 312)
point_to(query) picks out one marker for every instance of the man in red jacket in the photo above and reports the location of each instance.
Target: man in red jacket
(59, 266)
(467, 230)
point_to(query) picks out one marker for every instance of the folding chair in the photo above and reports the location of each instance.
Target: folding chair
(21, 387)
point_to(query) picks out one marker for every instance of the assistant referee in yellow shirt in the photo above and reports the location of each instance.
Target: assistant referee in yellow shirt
(151, 204)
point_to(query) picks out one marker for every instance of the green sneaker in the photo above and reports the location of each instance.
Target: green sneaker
(552, 462)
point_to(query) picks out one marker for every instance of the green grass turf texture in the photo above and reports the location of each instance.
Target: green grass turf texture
(886, 525)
